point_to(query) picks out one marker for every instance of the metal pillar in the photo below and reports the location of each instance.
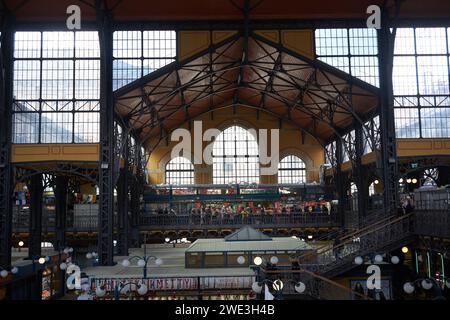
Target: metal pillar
(360, 173)
(35, 234)
(387, 163)
(135, 208)
(6, 176)
(61, 190)
(106, 179)
(339, 182)
(122, 211)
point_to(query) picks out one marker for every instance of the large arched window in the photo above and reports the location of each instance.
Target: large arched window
(291, 169)
(179, 170)
(235, 157)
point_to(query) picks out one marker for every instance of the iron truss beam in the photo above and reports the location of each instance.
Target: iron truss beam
(320, 96)
(84, 171)
(106, 165)
(388, 165)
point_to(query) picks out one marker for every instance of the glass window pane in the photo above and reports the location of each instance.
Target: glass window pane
(433, 74)
(56, 127)
(235, 159)
(57, 44)
(179, 170)
(407, 122)
(27, 45)
(404, 76)
(46, 83)
(27, 80)
(431, 41)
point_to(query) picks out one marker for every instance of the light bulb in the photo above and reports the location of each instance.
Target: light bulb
(41, 260)
(256, 287)
(141, 263)
(378, 258)
(14, 270)
(142, 290)
(274, 260)
(408, 288)
(100, 292)
(258, 261)
(427, 284)
(21, 243)
(240, 260)
(405, 249)
(359, 260)
(126, 263)
(159, 262)
(395, 260)
(300, 287)
(3, 273)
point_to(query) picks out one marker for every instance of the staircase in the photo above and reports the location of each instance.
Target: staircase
(380, 237)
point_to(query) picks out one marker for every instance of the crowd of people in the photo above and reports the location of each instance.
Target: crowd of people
(210, 213)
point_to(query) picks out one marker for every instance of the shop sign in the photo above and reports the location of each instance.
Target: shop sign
(191, 283)
(227, 282)
(153, 284)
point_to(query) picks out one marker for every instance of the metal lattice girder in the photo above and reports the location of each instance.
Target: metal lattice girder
(76, 170)
(388, 164)
(6, 175)
(106, 165)
(36, 189)
(316, 97)
(61, 188)
(123, 199)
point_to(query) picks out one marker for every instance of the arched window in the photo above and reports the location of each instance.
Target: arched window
(179, 170)
(235, 157)
(291, 169)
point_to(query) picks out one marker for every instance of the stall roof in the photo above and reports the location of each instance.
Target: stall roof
(221, 245)
(247, 233)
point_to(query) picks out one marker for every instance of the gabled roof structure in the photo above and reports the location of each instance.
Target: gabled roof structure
(251, 72)
(247, 233)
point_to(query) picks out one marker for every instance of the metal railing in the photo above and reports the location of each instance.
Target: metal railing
(381, 237)
(311, 219)
(88, 223)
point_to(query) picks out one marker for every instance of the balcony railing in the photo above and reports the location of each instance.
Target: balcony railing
(154, 221)
(312, 219)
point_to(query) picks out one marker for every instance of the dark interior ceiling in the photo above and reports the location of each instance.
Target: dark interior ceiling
(213, 10)
(309, 94)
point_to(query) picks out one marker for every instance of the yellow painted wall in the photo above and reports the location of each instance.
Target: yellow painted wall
(21, 153)
(407, 148)
(423, 147)
(191, 42)
(290, 143)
